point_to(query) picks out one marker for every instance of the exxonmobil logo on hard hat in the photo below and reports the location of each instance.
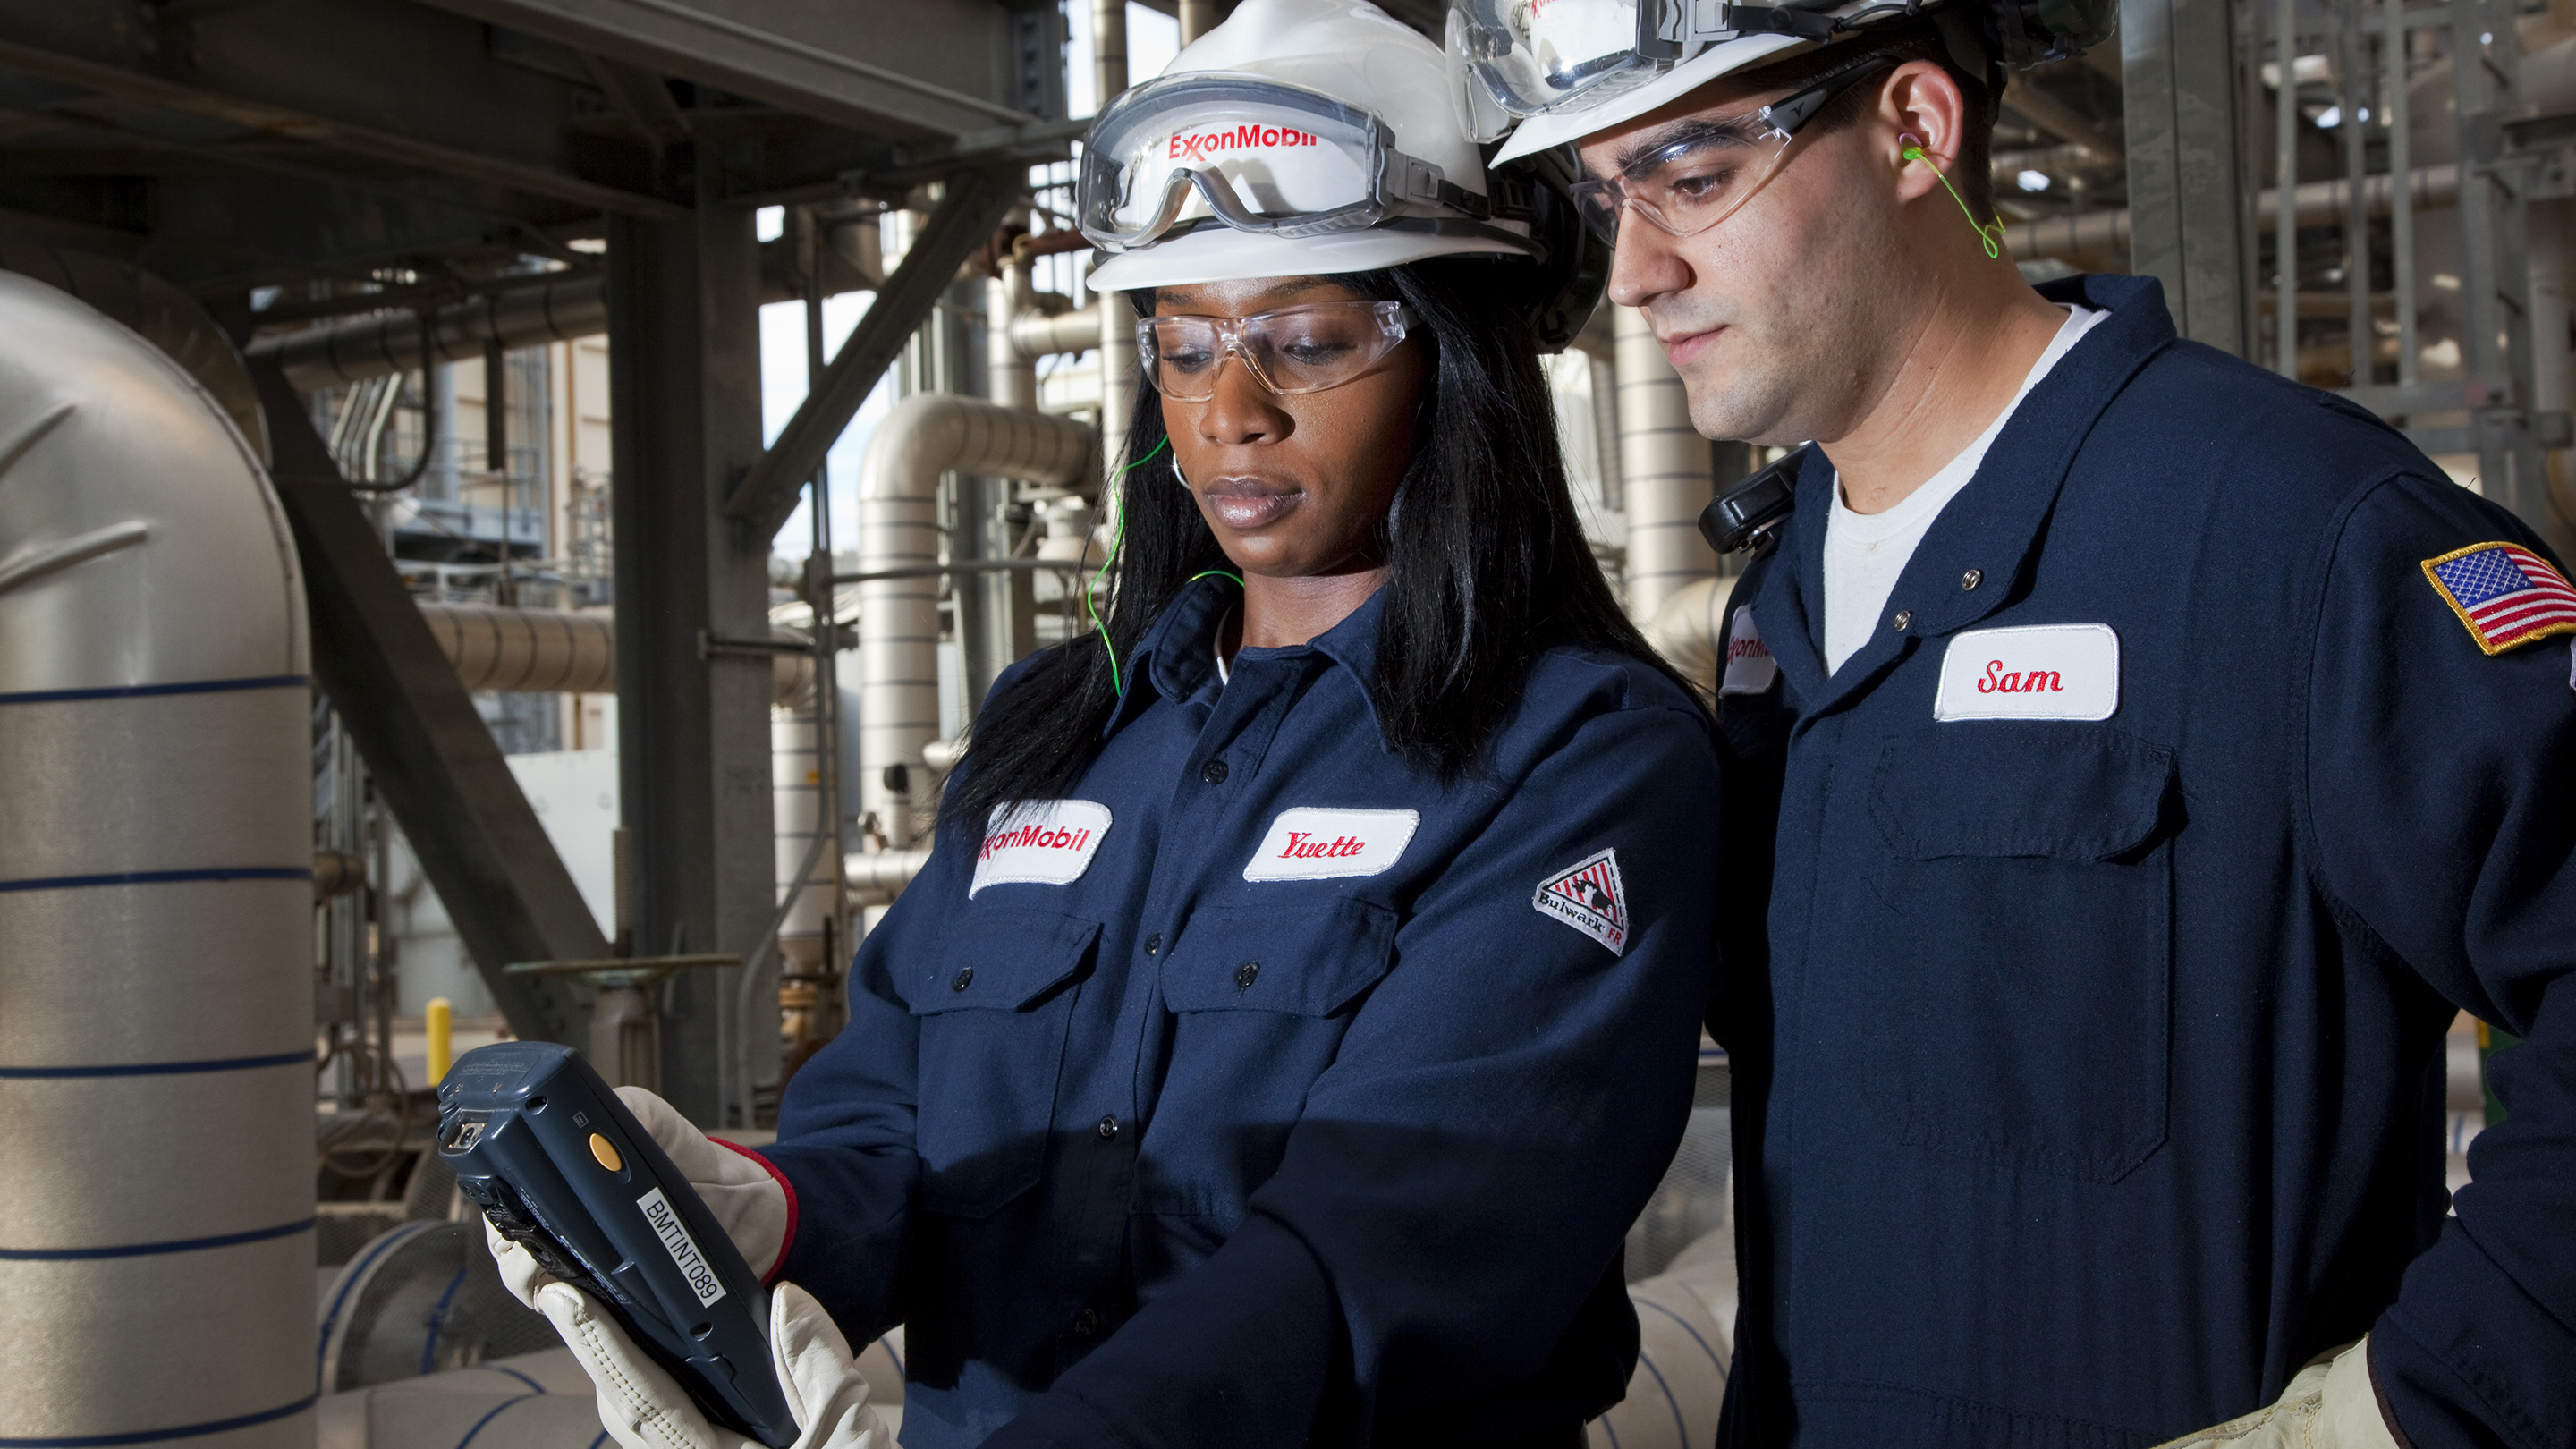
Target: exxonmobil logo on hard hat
(1040, 842)
(1198, 145)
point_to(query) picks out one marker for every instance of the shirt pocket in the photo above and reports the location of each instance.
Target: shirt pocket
(993, 1011)
(2020, 976)
(1261, 999)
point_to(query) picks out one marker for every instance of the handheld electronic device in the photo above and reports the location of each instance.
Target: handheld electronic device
(554, 1159)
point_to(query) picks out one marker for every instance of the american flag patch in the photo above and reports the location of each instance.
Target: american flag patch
(2505, 593)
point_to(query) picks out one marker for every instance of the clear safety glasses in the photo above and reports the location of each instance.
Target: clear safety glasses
(1526, 57)
(1293, 350)
(1253, 154)
(1715, 166)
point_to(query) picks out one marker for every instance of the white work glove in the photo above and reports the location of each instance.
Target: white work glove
(739, 1189)
(645, 1408)
(2327, 1406)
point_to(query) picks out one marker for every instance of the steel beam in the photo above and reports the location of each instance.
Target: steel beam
(432, 756)
(2187, 191)
(333, 133)
(975, 203)
(815, 74)
(693, 724)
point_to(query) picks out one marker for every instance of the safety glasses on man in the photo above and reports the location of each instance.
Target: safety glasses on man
(1704, 175)
(1291, 350)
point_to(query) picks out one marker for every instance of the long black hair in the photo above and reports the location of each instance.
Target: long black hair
(1487, 565)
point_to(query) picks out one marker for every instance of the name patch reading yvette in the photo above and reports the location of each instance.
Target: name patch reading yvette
(2039, 671)
(1312, 844)
(682, 1248)
(1040, 842)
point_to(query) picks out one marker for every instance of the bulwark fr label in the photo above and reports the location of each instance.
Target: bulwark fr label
(2041, 671)
(1041, 842)
(1312, 844)
(682, 1248)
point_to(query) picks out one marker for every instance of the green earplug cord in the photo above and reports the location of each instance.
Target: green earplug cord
(1992, 236)
(1118, 540)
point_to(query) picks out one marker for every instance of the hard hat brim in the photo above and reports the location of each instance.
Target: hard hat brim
(1225, 255)
(1541, 132)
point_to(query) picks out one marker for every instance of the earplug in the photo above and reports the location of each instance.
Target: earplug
(1991, 236)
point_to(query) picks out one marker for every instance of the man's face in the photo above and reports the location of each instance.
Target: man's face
(1773, 315)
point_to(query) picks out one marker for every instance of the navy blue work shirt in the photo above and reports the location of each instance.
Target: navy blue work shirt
(1263, 1090)
(2125, 885)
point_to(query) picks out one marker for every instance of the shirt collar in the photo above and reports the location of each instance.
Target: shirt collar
(1995, 523)
(1177, 656)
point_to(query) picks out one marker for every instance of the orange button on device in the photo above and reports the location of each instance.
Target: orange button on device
(606, 1152)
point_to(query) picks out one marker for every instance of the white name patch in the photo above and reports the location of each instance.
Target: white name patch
(682, 1248)
(2040, 671)
(1311, 844)
(1039, 842)
(1749, 665)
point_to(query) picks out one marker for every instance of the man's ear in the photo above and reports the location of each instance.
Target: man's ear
(1919, 104)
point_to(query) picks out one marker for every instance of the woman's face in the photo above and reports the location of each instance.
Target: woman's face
(1293, 486)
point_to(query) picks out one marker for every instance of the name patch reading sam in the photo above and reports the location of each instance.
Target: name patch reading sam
(2038, 671)
(1041, 842)
(682, 1248)
(1311, 844)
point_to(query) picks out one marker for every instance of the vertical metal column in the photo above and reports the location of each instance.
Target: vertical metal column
(2495, 277)
(2187, 197)
(693, 718)
(2285, 190)
(2398, 51)
(2352, 100)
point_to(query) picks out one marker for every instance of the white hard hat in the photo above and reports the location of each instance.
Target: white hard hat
(1301, 137)
(1574, 68)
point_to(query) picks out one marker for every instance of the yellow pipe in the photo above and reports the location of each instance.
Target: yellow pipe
(441, 1022)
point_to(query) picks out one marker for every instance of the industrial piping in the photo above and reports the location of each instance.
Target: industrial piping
(156, 1053)
(1664, 468)
(923, 437)
(559, 651)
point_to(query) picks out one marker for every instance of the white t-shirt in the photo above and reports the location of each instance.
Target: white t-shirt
(1865, 552)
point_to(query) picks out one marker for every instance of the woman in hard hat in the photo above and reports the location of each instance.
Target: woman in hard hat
(1303, 997)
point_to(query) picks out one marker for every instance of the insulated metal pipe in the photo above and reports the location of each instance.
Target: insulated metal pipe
(387, 343)
(559, 651)
(1035, 334)
(796, 805)
(924, 436)
(2314, 203)
(156, 900)
(1010, 377)
(1664, 468)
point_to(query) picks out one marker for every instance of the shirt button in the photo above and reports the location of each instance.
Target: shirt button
(1085, 1324)
(964, 979)
(1213, 772)
(1108, 1129)
(1971, 579)
(1244, 974)
(1903, 618)
(1154, 944)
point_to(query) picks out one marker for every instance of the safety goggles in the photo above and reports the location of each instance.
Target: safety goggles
(1715, 166)
(1292, 350)
(1257, 155)
(1526, 57)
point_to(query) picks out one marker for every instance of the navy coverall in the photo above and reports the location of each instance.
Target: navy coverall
(1287, 1113)
(2095, 1082)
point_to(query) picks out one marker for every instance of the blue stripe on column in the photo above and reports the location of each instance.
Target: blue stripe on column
(161, 877)
(154, 1436)
(145, 1250)
(145, 691)
(488, 1418)
(160, 1069)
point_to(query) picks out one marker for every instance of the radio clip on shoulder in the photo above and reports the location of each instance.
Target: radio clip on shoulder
(542, 1145)
(1747, 516)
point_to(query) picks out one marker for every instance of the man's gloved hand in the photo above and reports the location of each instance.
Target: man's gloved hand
(645, 1408)
(2327, 1406)
(744, 1192)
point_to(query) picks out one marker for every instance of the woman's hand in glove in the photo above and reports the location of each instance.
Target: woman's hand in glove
(645, 1408)
(739, 1187)
(2329, 1405)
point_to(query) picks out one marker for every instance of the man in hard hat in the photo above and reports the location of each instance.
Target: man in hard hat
(2166, 752)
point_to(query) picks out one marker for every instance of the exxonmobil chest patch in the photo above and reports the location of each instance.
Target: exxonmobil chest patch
(1589, 896)
(1749, 665)
(1312, 844)
(1039, 842)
